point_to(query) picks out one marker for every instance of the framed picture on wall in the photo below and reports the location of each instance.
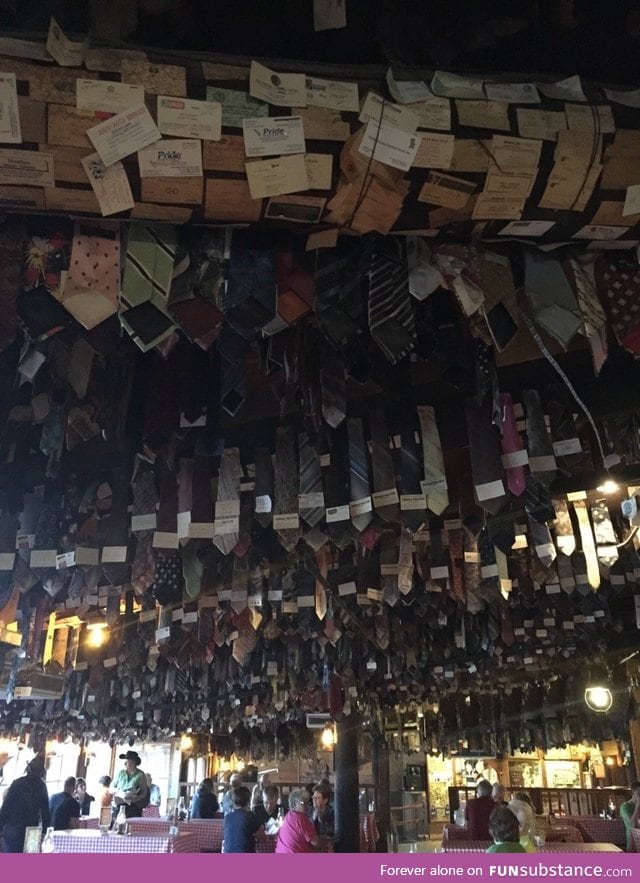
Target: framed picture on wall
(32, 839)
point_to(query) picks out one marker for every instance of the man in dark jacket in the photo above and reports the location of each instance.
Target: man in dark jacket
(64, 808)
(26, 805)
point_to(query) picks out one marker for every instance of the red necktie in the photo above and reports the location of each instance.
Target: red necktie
(513, 454)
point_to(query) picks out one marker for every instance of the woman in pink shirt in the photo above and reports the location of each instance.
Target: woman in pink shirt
(297, 833)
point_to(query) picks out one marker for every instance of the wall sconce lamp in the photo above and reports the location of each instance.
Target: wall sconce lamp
(186, 742)
(328, 737)
(598, 698)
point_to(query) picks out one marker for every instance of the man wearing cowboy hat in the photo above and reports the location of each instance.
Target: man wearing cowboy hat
(130, 787)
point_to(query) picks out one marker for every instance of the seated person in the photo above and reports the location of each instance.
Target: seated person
(235, 781)
(505, 831)
(105, 794)
(64, 809)
(522, 808)
(498, 794)
(82, 797)
(269, 808)
(297, 833)
(322, 813)
(204, 804)
(240, 825)
(478, 810)
(630, 812)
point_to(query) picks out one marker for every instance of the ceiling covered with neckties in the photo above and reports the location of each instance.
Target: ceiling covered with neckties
(285, 468)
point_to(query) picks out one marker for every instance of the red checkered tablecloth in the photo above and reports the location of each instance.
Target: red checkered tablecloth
(208, 832)
(466, 845)
(563, 834)
(549, 848)
(80, 840)
(151, 812)
(596, 830)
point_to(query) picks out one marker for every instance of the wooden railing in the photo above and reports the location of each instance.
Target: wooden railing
(554, 801)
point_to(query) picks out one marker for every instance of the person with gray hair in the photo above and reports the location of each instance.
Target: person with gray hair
(297, 833)
(235, 781)
(478, 810)
(498, 794)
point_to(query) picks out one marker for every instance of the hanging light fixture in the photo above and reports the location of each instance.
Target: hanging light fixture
(598, 698)
(328, 737)
(97, 633)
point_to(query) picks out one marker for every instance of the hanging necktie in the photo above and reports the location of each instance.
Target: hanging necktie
(435, 479)
(311, 499)
(263, 489)
(227, 512)
(338, 282)
(540, 541)
(619, 287)
(360, 505)
(233, 351)
(565, 540)
(286, 486)
(567, 447)
(514, 456)
(391, 320)
(542, 462)
(389, 562)
(486, 464)
(335, 478)
(472, 575)
(552, 299)
(606, 540)
(587, 542)
(413, 499)
(456, 558)
(565, 574)
(334, 391)
(593, 314)
(385, 497)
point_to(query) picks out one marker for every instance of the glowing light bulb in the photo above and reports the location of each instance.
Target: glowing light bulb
(328, 737)
(97, 634)
(609, 487)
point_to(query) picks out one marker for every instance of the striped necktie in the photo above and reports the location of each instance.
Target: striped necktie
(359, 476)
(385, 497)
(311, 498)
(391, 320)
(412, 501)
(228, 501)
(286, 485)
(542, 462)
(435, 479)
(334, 391)
(148, 265)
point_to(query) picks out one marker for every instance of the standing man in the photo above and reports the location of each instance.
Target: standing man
(64, 808)
(130, 787)
(630, 811)
(478, 810)
(26, 805)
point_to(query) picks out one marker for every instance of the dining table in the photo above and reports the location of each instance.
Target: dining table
(547, 849)
(208, 833)
(91, 840)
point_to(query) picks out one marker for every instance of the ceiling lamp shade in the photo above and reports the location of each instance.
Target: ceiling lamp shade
(598, 698)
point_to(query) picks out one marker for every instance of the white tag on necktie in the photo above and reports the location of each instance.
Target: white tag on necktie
(144, 522)
(43, 558)
(177, 614)
(263, 505)
(347, 588)
(520, 542)
(472, 557)
(385, 498)
(311, 501)
(86, 556)
(553, 588)
(360, 507)
(439, 573)
(374, 594)
(325, 460)
(567, 446)
(163, 634)
(412, 501)
(290, 607)
(306, 601)
(542, 464)
(432, 487)
(81, 666)
(224, 525)
(545, 550)
(165, 540)
(184, 520)
(515, 459)
(201, 530)
(490, 490)
(574, 496)
(114, 554)
(389, 569)
(617, 579)
(190, 618)
(274, 595)
(489, 571)
(110, 663)
(519, 633)
(337, 513)
(290, 521)
(227, 509)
